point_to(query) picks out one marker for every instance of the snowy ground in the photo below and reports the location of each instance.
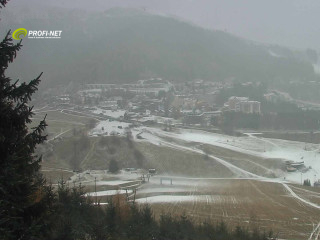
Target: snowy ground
(163, 190)
(187, 190)
(109, 128)
(210, 197)
(191, 198)
(252, 145)
(114, 182)
(103, 178)
(108, 193)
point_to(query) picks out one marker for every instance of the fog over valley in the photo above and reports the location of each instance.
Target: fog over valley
(162, 120)
(287, 22)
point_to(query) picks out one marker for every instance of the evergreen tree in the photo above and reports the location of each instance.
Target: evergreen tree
(23, 198)
(113, 166)
(74, 215)
(111, 219)
(307, 182)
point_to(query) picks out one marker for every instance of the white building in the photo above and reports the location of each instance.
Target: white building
(249, 107)
(233, 101)
(242, 104)
(151, 86)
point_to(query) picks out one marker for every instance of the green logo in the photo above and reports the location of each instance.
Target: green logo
(19, 33)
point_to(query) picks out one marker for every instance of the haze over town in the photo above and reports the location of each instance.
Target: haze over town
(287, 22)
(165, 119)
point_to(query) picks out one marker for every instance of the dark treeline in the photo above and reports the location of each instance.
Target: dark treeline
(307, 91)
(307, 120)
(279, 114)
(253, 91)
(73, 216)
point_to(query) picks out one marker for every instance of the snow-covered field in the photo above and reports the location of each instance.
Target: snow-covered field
(251, 145)
(103, 178)
(114, 182)
(205, 196)
(109, 128)
(108, 193)
(191, 198)
(230, 199)
(316, 68)
(163, 190)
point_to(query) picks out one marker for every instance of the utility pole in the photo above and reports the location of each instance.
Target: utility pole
(95, 189)
(61, 173)
(134, 195)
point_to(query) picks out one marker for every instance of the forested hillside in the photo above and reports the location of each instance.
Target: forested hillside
(124, 45)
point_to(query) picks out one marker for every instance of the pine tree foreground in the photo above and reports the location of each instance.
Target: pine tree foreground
(22, 192)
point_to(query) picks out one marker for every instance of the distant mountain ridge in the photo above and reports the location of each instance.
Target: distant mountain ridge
(124, 45)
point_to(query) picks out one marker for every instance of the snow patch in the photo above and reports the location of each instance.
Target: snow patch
(108, 193)
(110, 128)
(113, 183)
(316, 68)
(191, 198)
(163, 190)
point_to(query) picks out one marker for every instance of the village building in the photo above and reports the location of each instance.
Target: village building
(242, 104)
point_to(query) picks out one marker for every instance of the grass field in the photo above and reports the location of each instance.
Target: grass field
(267, 167)
(311, 194)
(184, 163)
(59, 123)
(96, 152)
(258, 165)
(245, 202)
(55, 175)
(249, 203)
(203, 188)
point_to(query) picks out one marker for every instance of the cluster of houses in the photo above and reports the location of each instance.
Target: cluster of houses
(151, 87)
(158, 100)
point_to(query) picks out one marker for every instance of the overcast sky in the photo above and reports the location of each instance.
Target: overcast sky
(294, 23)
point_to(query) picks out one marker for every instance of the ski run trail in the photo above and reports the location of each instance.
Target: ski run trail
(153, 135)
(154, 138)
